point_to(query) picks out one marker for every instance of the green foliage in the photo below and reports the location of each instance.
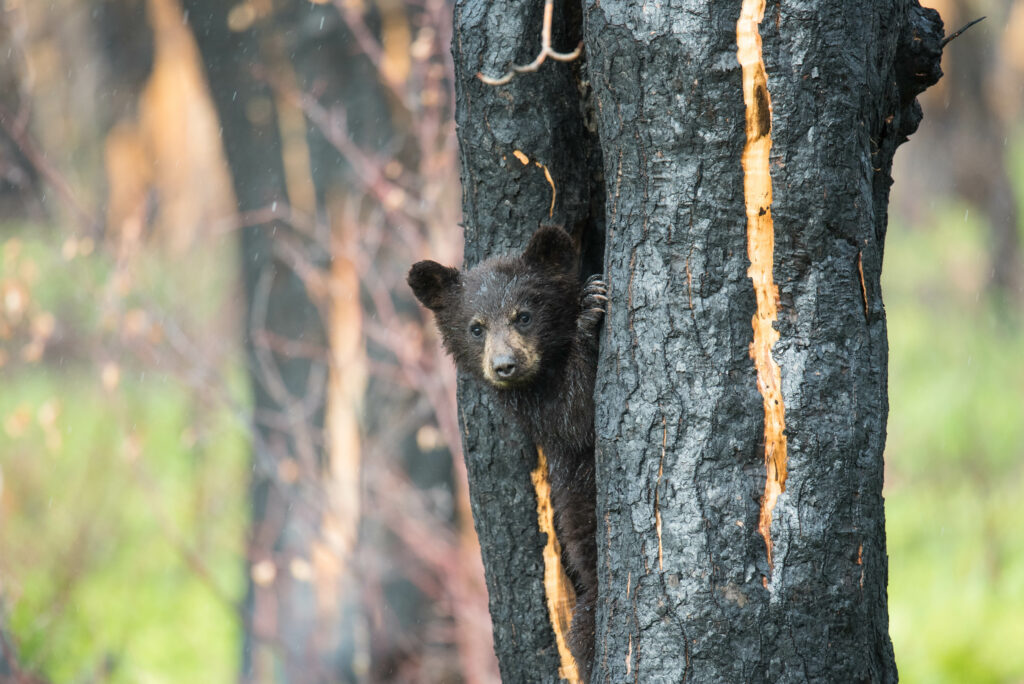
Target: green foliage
(102, 526)
(123, 498)
(955, 458)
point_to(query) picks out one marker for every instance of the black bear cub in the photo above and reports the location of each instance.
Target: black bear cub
(528, 328)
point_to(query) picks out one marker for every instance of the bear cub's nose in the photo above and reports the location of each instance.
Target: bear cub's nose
(504, 366)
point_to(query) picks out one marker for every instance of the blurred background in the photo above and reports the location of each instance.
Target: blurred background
(228, 441)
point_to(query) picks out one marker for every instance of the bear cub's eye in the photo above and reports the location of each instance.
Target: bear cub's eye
(524, 318)
(476, 329)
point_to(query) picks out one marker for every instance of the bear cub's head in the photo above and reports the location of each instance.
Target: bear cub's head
(509, 320)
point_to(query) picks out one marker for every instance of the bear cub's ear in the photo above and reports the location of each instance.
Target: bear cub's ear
(551, 249)
(430, 282)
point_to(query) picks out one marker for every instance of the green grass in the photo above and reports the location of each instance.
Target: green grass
(96, 532)
(113, 496)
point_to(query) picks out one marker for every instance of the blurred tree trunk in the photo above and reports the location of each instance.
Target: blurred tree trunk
(19, 179)
(977, 139)
(310, 100)
(732, 196)
(963, 150)
(356, 115)
(287, 636)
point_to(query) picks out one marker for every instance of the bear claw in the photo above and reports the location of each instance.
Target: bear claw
(595, 296)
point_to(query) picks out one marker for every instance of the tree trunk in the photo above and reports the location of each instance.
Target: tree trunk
(741, 396)
(319, 103)
(284, 639)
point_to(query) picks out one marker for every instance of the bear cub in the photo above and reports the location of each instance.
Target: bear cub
(527, 327)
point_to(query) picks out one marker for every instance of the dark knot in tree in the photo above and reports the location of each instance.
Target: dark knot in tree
(919, 56)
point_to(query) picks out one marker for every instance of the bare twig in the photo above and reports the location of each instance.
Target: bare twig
(371, 48)
(545, 52)
(17, 133)
(956, 34)
(276, 211)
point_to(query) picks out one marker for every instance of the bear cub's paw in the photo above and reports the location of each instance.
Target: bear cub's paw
(592, 304)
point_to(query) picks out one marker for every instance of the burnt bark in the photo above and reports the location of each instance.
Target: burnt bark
(688, 591)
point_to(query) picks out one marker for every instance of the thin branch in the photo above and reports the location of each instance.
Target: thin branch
(545, 52)
(372, 48)
(956, 34)
(38, 160)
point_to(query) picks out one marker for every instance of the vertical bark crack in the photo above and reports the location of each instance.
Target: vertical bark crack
(657, 493)
(558, 591)
(757, 191)
(863, 285)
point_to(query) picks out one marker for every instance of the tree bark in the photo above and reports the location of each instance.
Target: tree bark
(739, 477)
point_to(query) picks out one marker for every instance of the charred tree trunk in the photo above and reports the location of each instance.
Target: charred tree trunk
(741, 398)
(754, 575)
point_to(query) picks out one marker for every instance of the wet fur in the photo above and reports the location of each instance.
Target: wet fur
(553, 401)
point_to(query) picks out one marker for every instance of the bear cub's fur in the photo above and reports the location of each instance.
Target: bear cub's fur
(528, 328)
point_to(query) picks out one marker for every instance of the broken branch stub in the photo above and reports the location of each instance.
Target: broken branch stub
(546, 51)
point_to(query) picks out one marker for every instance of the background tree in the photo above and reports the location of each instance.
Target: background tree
(741, 524)
(360, 562)
(971, 115)
(334, 121)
